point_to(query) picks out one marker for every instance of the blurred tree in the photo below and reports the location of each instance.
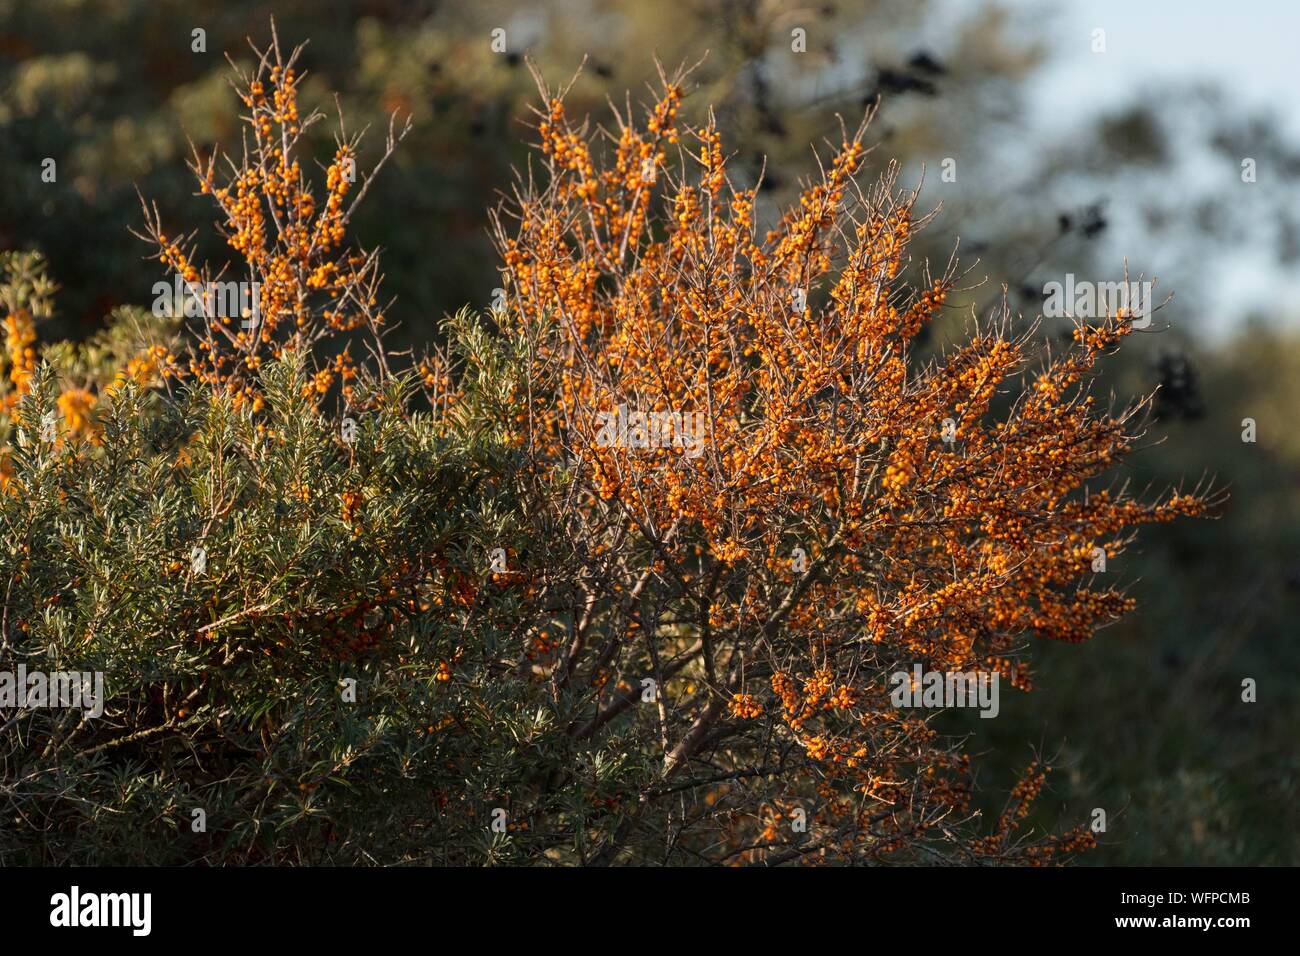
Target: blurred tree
(113, 92)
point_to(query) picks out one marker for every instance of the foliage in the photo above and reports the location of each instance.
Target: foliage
(639, 281)
(502, 582)
(116, 92)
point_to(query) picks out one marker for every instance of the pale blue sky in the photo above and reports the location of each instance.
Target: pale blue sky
(1249, 49)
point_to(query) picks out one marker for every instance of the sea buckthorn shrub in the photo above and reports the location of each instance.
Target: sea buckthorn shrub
(314, 291)
(362, 607)
(855, 507)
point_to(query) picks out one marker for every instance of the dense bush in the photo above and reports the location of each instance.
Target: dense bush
(439, 616)
(321, 561)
